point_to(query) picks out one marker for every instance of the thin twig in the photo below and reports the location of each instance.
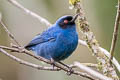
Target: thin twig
(9, 33)
(90, 65)
(19, 6)
(115, 33)
(85, 64)
(28, 63)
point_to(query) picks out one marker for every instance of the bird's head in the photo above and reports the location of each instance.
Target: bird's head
(66, 21)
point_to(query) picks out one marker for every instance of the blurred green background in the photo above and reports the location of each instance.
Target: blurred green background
(100, 14)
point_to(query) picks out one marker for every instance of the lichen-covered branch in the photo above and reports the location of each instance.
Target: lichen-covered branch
(93, 45)
(115, 33)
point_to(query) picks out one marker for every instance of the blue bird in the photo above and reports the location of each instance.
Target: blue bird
(58, 42)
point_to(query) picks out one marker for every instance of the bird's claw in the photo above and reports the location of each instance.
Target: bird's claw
(70, 71)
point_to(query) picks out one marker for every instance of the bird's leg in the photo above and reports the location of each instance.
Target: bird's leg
(52, 62)
(70, 68)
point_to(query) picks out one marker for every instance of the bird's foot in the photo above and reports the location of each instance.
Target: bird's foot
(70, 71)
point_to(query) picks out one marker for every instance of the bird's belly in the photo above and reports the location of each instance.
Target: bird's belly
(64, 50)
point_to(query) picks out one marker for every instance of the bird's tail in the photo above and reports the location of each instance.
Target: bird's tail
(27, 47)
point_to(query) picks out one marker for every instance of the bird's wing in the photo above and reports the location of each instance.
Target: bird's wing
(39, 39)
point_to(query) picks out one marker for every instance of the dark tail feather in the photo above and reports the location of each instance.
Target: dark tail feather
(27, 47)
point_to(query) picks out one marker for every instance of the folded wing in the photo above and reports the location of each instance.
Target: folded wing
(39, 39)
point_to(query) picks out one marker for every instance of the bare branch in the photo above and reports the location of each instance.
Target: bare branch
(59, 67)
(115, 33)
(91, 72)
(90, 65)
(42, 20)
(20, 51)
(27, 63)
(8, 32)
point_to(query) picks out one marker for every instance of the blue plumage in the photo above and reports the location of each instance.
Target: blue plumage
(58, 42)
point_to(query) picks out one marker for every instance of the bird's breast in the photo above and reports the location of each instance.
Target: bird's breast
(67, 41)
(65, 45)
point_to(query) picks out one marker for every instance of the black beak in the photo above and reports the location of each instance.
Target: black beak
(74, 18)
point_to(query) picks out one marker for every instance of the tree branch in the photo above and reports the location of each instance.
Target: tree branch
(49, 68)
(8, 32)
(91, 72)
(19, 6)
(22, 51)
(115, 33)
(28, 63)
(58, 67)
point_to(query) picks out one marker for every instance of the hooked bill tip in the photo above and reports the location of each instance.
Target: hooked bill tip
(74, 18)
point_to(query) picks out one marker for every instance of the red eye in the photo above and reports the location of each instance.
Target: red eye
(65, 21)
